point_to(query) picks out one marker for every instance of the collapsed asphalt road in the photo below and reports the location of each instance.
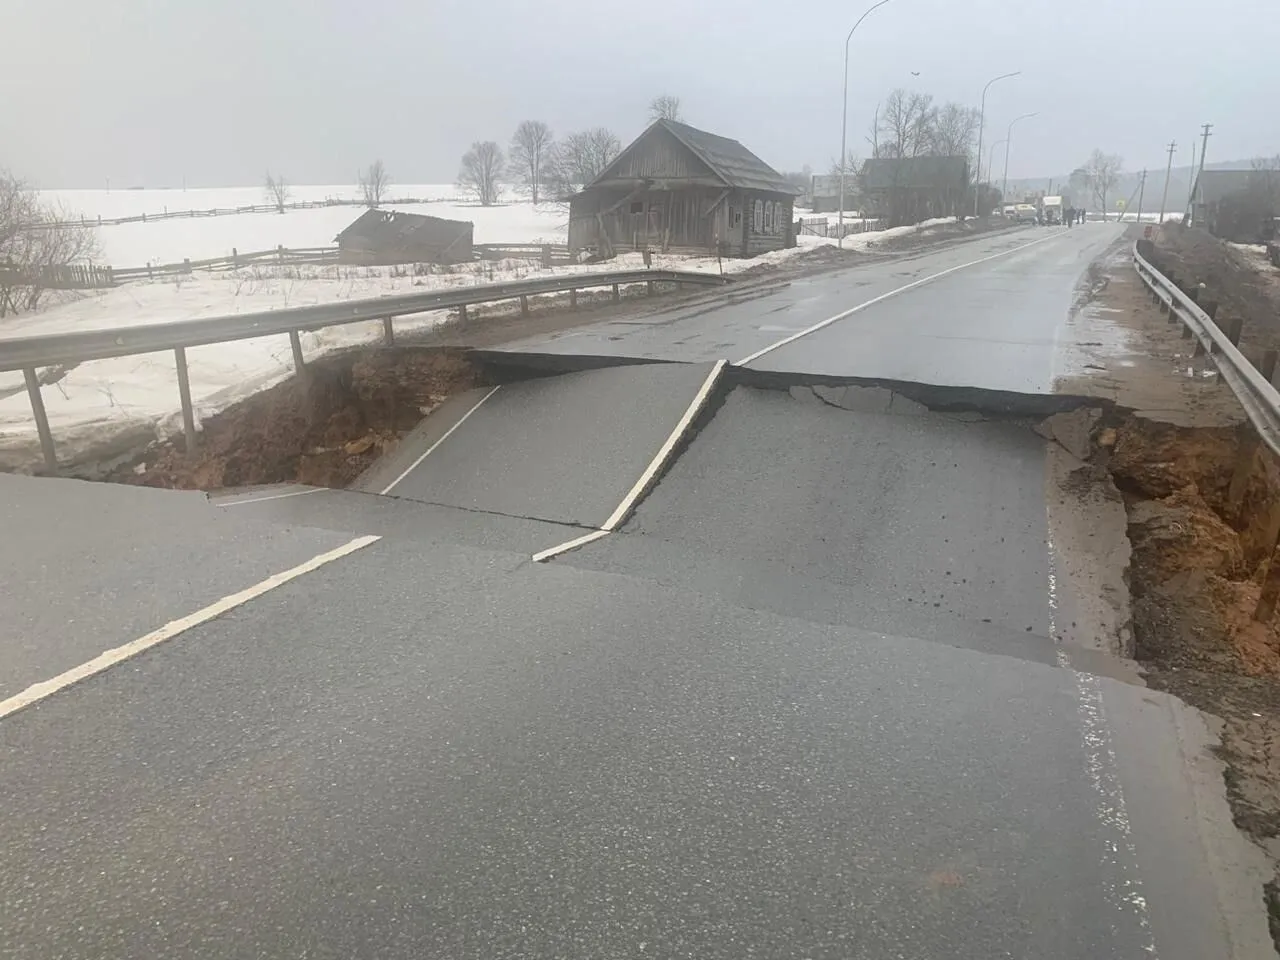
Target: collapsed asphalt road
(810, 700)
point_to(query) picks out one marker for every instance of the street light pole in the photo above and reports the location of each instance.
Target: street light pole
(844, 112)
(1004, 188)
(982, 118)
(991, 159)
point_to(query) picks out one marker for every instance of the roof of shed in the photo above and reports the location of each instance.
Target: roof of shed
(884, 173)
(389, 226)
(1213, 186)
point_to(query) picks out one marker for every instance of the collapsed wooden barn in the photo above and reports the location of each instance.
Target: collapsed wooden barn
(682, 190)
(382, 237)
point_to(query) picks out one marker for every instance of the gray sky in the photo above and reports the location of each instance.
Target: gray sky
(149, 91)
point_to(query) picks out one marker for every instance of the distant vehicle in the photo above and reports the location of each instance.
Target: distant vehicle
(1054, 210)
(1025, 213)
(1010, 210)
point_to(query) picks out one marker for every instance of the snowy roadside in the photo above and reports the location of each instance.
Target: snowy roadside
(100, 407)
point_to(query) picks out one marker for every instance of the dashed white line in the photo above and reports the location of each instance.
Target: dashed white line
(104, 661)
(885, 296)
(660, 459)
(274, 496)
(431, 449)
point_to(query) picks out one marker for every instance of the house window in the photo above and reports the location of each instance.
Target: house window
(735, 217)
(757, 221)
(768, 216)
(637, 206)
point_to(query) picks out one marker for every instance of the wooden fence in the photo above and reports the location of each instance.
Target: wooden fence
(228, 211)
(821, 227)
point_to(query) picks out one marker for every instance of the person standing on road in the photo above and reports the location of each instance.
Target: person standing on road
(1069, 216)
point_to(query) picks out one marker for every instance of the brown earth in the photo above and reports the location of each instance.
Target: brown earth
(1243, 284)
(1196, 563)
(323, 429)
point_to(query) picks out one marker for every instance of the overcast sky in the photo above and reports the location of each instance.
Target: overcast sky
(217, 91)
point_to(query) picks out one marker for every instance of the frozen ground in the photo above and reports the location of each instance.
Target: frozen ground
(200, 238)
(99, 403)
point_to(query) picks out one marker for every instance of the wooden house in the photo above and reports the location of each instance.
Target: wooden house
(912, 189)
(380, 237)
(683, 190)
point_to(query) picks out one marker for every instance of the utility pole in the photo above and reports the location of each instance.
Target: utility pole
(1204, 148)
(1167, 172)
(1186, 216)
(1142, 192)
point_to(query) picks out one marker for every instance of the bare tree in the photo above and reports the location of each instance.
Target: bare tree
(374, 183)
(665, 107)
(905, 125)
(852, 164)
(1103, 171)
(952, 131)
(531, 148)
(481, 171)
(277, 191)
(35, 240)
(581, 157)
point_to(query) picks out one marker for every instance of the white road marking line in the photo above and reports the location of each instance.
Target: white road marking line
(1119, 857)
(104, 661)
(274, 496)
(659, 460)
(431, 449)
(542, 556)
(885, 296)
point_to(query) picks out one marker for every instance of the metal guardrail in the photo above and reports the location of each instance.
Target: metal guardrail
(29, 353)
(1260, 400)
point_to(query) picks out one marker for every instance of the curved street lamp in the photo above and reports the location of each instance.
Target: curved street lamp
(844, 115)
(1004, 188)
(982, 116)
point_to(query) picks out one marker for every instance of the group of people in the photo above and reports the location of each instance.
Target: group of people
(1071, 215)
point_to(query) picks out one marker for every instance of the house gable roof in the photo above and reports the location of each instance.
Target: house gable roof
(728, 160)
(884, 173)
(391, 226)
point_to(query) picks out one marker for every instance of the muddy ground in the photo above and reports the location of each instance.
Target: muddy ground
(323, 429)
(1197, 559)
(1242, 283)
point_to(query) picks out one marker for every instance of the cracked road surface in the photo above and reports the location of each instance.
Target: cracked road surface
(810, 701)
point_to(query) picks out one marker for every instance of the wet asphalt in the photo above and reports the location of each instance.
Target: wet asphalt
(808, 702)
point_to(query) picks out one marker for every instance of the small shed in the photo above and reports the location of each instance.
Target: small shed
(911, 189)
(825, 190)
(680, 189)
(380, 237)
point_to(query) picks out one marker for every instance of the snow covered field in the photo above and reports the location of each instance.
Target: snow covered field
(98, 403)
(201, 238)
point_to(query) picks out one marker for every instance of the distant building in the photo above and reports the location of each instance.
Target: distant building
(380, 237)
(680, 189)
(913, 189)
(824, 188)
(1238, 205)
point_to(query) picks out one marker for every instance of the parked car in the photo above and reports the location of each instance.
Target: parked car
(1025, 213)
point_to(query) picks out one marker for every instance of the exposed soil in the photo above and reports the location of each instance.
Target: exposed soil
(1243, 285)
(1196, 561)
(323, 429)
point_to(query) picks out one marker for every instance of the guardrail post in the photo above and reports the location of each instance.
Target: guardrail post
(616, 295)
(186, 264)
(524, 305)
(1268, 368)
(388, 331)
(1266, 607)
(1234, 329)
(42, 419)
(573, 299)
(295, 344)
(546, 255)
(184, 392)
(1245, 456)
(462, 313)
(649, 287)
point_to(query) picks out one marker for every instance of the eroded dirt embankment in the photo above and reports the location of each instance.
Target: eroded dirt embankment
(324, 428)
(1199, 557)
